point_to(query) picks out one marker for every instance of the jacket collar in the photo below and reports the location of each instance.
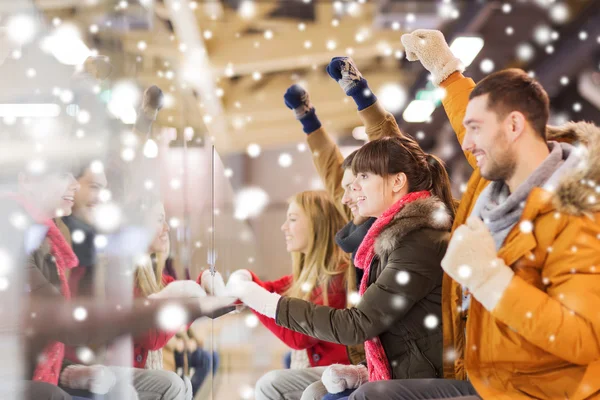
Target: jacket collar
(425, 213)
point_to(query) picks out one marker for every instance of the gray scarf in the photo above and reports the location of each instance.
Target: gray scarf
(501, 210)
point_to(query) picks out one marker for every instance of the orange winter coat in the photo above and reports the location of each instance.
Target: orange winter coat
(542, 340)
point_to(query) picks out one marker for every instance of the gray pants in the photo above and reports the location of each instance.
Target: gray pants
(151, 385)
(291, 384)
(43, 391)
(416, 389)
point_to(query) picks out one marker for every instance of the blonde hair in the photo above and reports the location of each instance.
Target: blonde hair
(324, 259)
(149, 271)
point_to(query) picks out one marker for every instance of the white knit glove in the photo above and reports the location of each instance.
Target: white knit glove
(213, 284)
(471, 260)
(241, 275)
(180, 289)
(430, 47)
(96, 378)
(254, 296)
(338, 377)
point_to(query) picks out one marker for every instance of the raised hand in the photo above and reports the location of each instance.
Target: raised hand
(346, 74)
(429, 46)
(297, 99)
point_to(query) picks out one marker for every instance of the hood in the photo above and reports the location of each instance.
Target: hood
(425, 213)
(577, 191)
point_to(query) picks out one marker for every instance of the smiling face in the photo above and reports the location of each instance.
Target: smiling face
(487, 139)
(160, 244)
(53, 193)
(374, 193)
(296, 229)
(350, 196)
(88, 196)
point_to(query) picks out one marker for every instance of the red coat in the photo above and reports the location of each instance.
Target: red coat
(320, 353)
(154, 339)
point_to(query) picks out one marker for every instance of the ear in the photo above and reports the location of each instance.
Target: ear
(399, 182)
(516, 124)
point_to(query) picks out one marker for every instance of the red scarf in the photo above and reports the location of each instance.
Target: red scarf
(377, 362)
(48, 367)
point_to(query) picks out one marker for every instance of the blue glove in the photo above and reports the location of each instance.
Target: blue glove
(345, 72)
(298, 100)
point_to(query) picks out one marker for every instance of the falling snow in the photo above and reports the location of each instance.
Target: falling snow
(402, 277)
(80, 314)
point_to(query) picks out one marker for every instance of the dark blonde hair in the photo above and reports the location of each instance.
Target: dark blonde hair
(324, 259)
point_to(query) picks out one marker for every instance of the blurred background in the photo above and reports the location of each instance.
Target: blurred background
(226, 154)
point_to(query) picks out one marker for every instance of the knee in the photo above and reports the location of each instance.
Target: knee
(315, 391)
(266, 386)
(174, 388)
(368, 391)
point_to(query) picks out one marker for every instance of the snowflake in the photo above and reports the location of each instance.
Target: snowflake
(465, 271)
(306, 287)
(402, 277)
(526, 226)
(78, 236)
(251, 321)
(80, 314)
(450, 355)
(546, 281)
(593, 268)
(171, 317)
(431, 321)
(529, 314)
(398, 302)
(100, 241)
(574, 249)
(354, 298)
(573, 270)
(85, 354)
(474, 348)
(552, 338)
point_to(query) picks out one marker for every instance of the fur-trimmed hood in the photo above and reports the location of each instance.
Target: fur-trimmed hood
(425, 213)
(578, 190)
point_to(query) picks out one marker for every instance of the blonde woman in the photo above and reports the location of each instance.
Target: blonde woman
(150, 381)
(321, 275)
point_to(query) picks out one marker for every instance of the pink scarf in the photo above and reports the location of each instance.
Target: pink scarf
(50, 363)
(377, 362)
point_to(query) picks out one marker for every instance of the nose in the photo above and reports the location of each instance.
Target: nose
(284, 227)
(467, 144)
(74, 183)
(345, 197)
(355, 186)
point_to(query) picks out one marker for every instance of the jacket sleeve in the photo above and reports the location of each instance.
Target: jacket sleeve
(328, 159)
(383, 304)
(292, 339)
(156, 339)
(378, 122)
(458, 88)
(563, 320)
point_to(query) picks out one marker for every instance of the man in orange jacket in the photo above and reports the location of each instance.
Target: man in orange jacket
(525, 248)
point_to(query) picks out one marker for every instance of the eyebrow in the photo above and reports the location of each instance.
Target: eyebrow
(470, 121)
